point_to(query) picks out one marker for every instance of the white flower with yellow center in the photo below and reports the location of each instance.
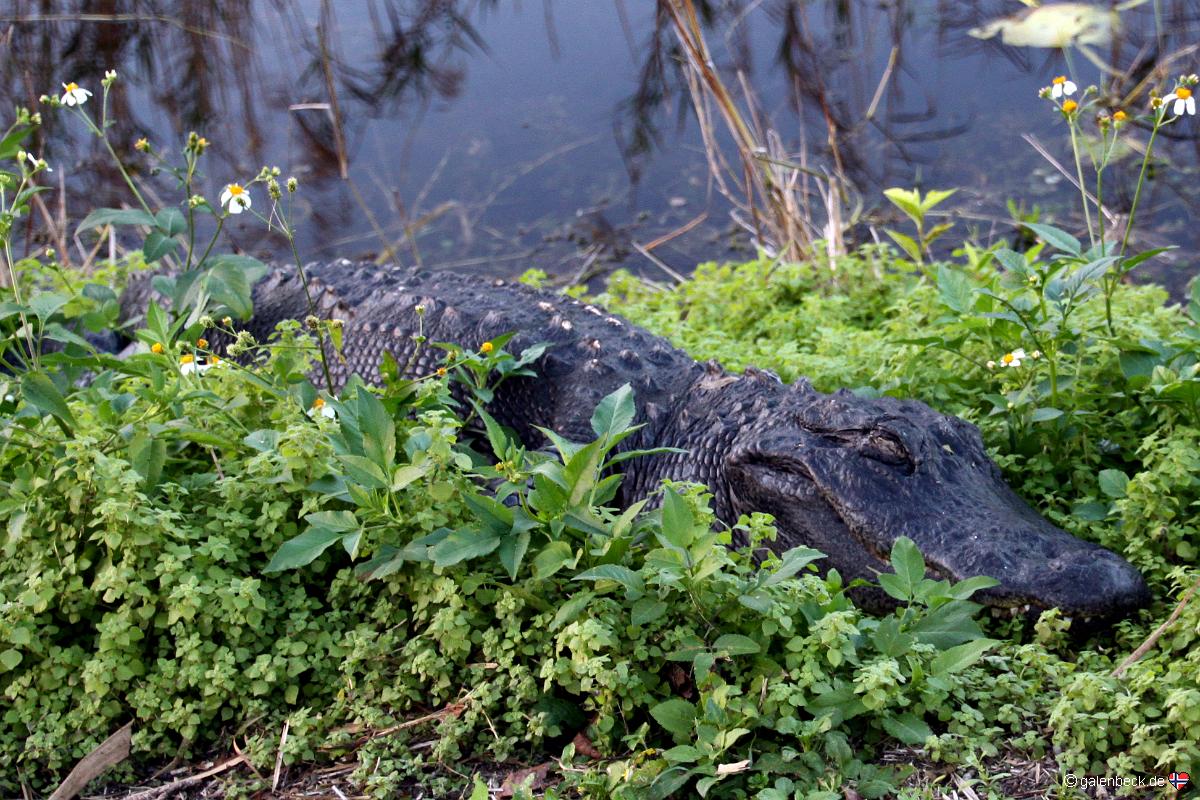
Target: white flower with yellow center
(322, 408)
(189, 366)
(74, 94)
(1012, 359)
(1184, 102)
(235, 198)
(1061, 87)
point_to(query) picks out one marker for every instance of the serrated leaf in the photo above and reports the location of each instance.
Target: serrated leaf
(959, 657)
(676, 715)
(463, 545)
(512, 552)
(647, 610)
(907, 243)
(1114, 483)
(677, 519)
(157, 245)
(614, 414)
(1045, 414)
(955, 288)
(170, 221)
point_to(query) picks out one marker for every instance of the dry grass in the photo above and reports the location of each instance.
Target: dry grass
(792, 210)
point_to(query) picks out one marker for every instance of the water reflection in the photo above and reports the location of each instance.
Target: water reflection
(503, 135)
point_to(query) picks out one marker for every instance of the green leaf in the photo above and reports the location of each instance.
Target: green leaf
(676, 715)
(908, 728)
(634, 586)
(948, 625)
(908, 201)
(677, 519)
(10, 659)
(170, 221)
(570, 610)
(1114, 483)
(888, 639)
(955, 288)
(10, 145)
(45, 304)
(115, 216)
(907, 243)
(908, 562)
(958, 658)
(333, 520)
(647, 610)
(1045, 414)
(463, 545)
(793, 561)
(551, 559)
(147, 454)
(735, 644)
(156, 246)
(614, 414)
(1055, 237)
(303, 549)
(682, 754)
(935, 197)
(512, 552)
(964, 590)
(41, 393)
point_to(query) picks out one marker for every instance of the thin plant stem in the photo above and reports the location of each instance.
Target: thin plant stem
(1137, 192)
(1087, 213)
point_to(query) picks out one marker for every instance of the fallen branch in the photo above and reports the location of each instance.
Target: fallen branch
(110, 752)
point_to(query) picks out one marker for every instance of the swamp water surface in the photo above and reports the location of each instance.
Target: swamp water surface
(495, 135)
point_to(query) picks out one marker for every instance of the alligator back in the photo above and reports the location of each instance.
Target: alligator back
(591, 352)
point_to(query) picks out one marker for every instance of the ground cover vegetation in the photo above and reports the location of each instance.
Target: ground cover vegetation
(213, 548)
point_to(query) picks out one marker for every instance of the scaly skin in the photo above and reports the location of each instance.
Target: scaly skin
(845, 475)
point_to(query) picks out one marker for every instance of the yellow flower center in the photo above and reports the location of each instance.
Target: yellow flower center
(186, 359)
(235, 190)
(1070, 106)
(1120, 116)
(319, 403)
(1007, 359)
(214, 360)
(70, 87)
(486, 347)
(202, 343)
(441, 373)
(1183, 93)
(1060, 79)
(156, 348)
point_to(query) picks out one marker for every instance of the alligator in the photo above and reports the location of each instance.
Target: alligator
(843, 474)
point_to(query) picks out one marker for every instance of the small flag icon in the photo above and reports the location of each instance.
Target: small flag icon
(1178, 779)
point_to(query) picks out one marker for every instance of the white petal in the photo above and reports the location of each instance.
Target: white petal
(1057, 91)
(1191, 105)
(188, 368)
(225, 195)
(1179, 107)
(1018, 353)
(1069, 87)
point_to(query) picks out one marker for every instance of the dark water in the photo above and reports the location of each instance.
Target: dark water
(498, 136)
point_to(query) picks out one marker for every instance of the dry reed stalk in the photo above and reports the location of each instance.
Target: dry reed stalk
(770, 193)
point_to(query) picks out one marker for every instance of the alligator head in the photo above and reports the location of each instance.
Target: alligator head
(848, 476)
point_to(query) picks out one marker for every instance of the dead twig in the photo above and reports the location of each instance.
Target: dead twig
(166, 790)
(1153, 638)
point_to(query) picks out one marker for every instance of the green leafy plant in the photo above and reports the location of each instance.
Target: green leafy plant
(917, 208)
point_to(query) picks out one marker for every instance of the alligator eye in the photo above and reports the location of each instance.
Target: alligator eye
(886, 448)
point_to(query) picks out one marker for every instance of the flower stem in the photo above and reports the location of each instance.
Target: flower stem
(1087, 213)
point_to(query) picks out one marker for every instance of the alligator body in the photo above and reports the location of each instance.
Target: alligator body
(839, 473)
